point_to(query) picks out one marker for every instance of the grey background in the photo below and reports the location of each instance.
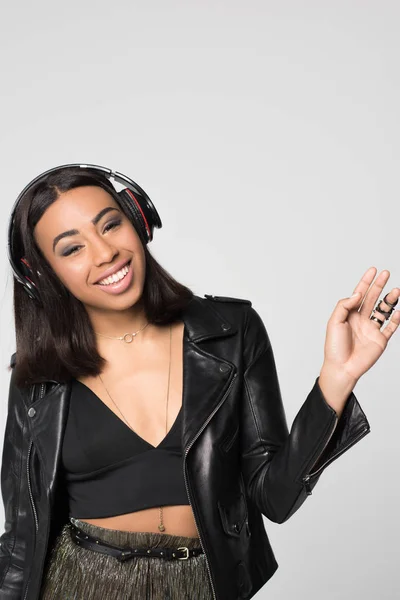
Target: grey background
(267, 135)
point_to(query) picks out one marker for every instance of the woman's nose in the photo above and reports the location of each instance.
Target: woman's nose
(102, 251)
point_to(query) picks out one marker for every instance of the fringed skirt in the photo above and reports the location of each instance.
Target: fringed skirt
(73, 572)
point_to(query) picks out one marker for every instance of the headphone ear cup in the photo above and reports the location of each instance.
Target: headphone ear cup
(28, 285)
(132, 203)
(26, 269)
(142, 211)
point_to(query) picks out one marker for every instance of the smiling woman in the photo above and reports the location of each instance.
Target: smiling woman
(95, 280)
(74, 229)
(98, 241)
(90, 258)
(158, 431)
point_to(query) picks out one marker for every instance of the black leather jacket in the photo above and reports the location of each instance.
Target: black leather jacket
(240, 461)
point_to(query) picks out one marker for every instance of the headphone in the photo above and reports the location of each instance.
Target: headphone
(133, 198)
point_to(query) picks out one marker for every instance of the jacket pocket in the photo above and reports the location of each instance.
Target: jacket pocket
(233, 514)
(229, 440)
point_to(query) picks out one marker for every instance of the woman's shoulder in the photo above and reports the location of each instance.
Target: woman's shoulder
(232, 308)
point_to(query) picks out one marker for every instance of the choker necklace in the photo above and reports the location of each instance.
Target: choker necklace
(127, 337)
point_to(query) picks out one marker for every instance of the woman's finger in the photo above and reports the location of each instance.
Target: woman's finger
(392, 325)
(343, 307)
(372, 295)
(365, 281)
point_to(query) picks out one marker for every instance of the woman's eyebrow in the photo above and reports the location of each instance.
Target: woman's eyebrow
(95, 220)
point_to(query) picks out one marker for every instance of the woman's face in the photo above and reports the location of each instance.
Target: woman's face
(79, 259)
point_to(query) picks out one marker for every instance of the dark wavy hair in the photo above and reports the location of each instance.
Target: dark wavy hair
(56, 341)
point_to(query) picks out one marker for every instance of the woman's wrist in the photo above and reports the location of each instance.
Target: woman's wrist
(336, 386)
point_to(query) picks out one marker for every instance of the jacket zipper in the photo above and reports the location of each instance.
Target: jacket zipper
(306, 479)
(29, 486)
(30, 489)
(327, 442)
(186, 482)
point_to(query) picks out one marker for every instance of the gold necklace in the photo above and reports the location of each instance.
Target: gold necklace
(127, 337)
(161, 525)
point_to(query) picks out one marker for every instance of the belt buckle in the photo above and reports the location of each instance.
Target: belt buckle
(187, 553)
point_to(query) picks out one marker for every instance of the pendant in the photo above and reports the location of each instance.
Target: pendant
(129, 337)
(161, 527)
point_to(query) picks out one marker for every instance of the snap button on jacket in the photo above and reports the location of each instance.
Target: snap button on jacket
(240, 460)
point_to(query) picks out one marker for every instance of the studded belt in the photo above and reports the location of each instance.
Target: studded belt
(81, 538)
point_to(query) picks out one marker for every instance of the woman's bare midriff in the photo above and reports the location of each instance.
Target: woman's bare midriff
(178, 520)
(146, 414)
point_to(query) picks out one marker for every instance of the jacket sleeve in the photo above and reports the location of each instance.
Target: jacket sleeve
(12, 473)
(281, 468)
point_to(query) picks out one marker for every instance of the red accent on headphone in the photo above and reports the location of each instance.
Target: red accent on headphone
(26, 262)
(138, 205)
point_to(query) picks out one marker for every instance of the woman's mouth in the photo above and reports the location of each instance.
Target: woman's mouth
(118, 282)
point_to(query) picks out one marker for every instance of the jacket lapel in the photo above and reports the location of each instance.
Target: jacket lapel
(206, 377)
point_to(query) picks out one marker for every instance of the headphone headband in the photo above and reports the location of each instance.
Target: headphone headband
(137, 203)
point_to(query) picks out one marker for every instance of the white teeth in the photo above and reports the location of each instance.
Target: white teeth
(116, 277)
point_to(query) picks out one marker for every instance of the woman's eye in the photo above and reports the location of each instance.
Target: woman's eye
(70, 251)
(109, 226)
(112, 224)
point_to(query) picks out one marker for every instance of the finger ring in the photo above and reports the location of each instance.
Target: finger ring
(378, 320)
(391, 304)
(385, 313)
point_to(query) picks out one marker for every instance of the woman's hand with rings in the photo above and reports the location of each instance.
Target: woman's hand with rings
(354, 341)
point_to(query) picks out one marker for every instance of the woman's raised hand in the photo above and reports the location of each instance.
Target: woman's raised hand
(354, 342)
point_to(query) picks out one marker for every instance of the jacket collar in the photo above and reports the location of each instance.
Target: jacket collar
(206, 378)
(203, 321)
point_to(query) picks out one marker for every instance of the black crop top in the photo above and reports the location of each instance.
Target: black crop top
(109, 469)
